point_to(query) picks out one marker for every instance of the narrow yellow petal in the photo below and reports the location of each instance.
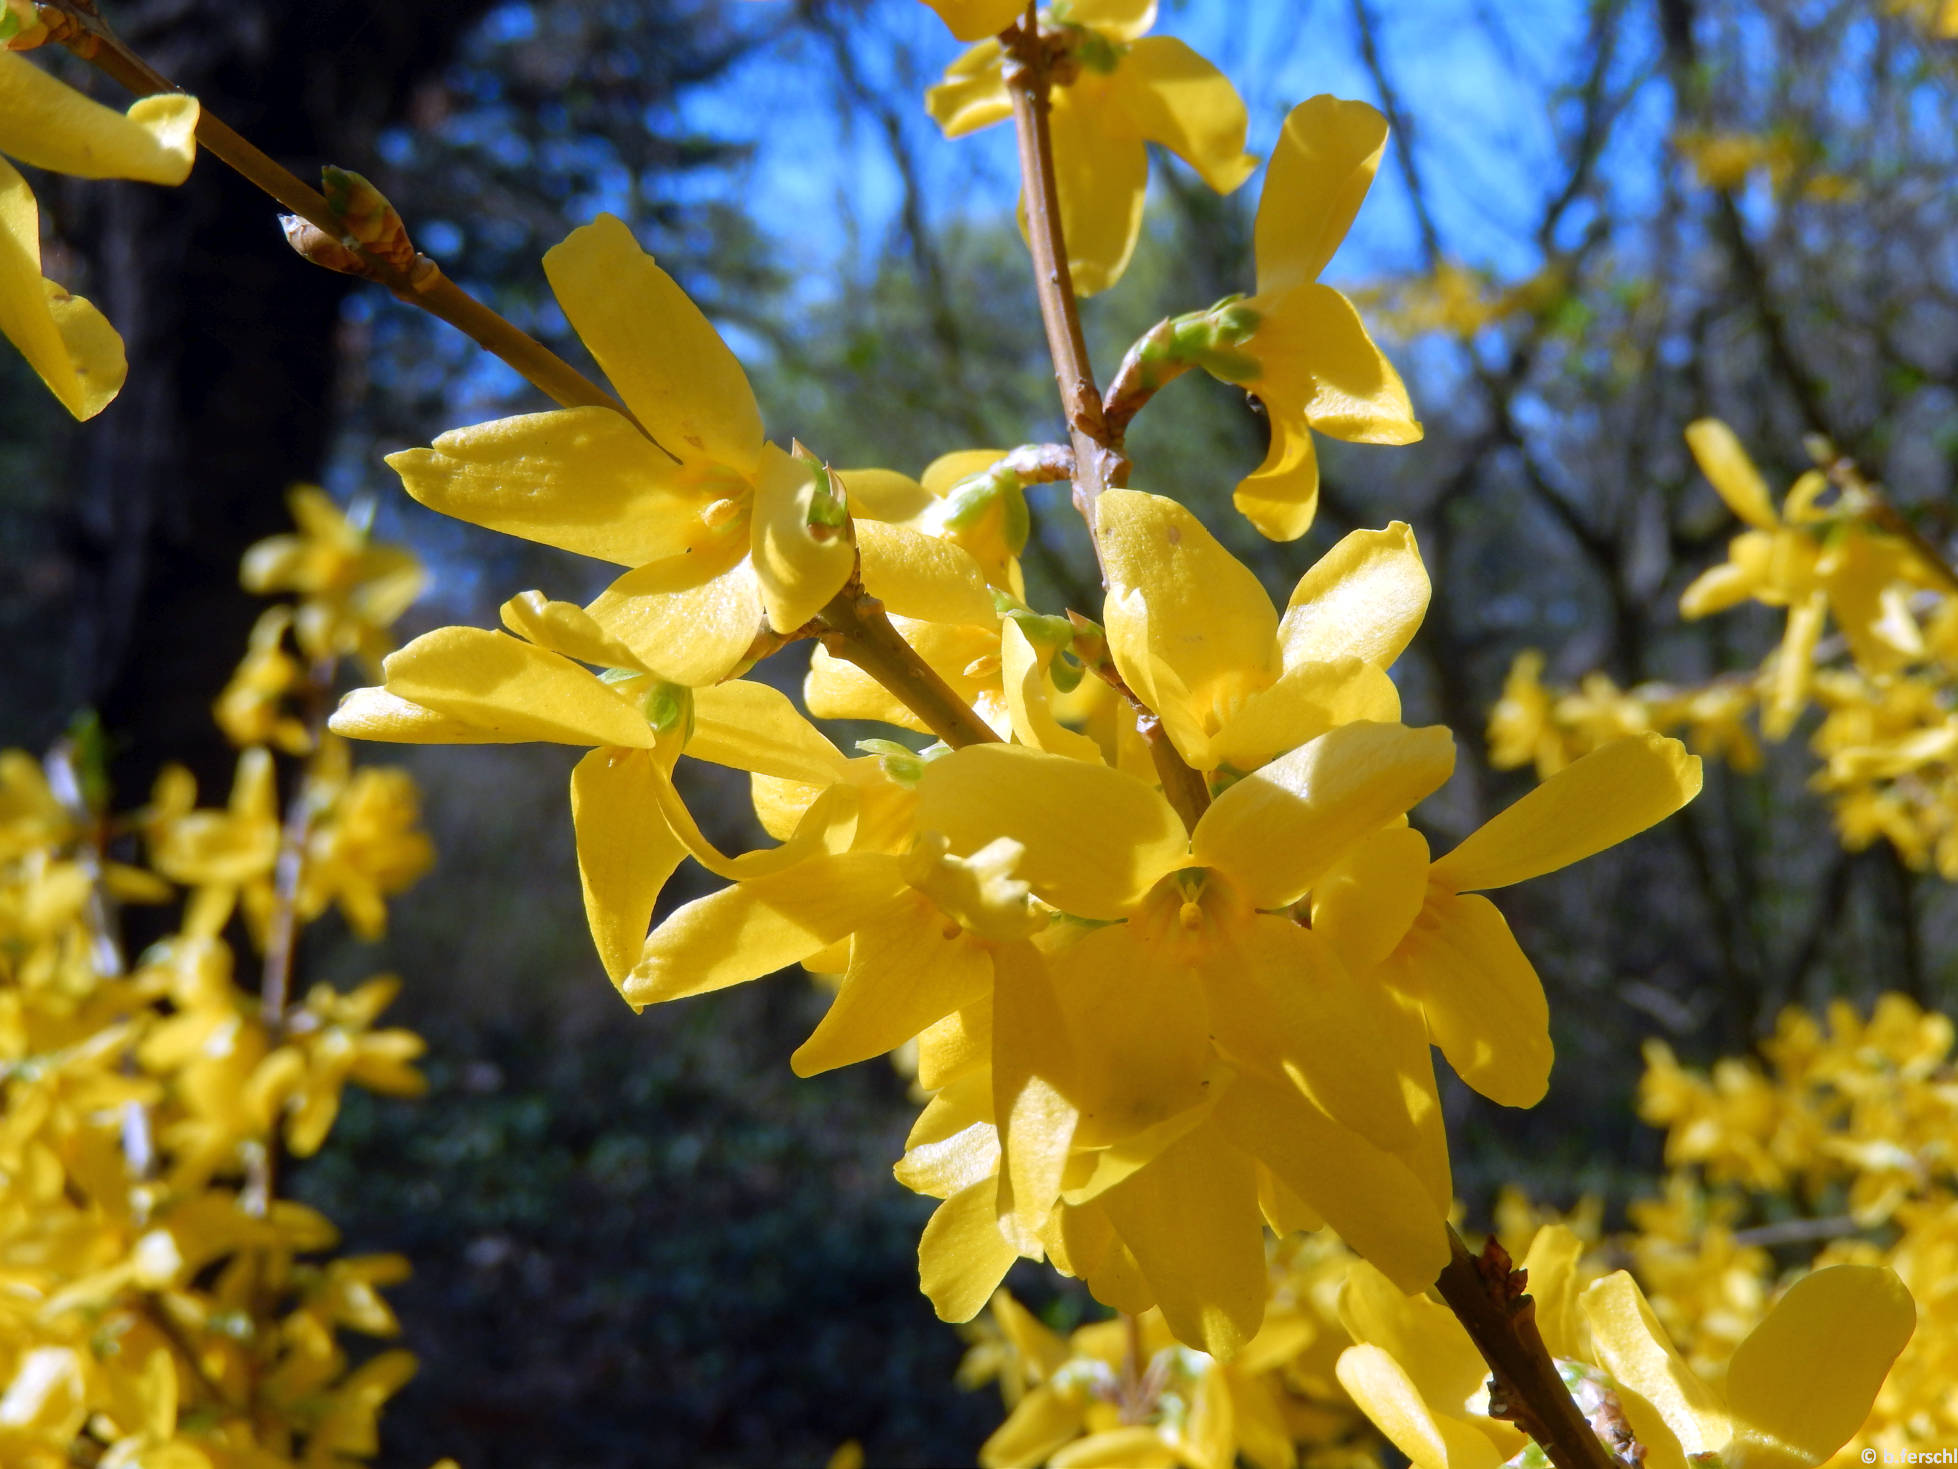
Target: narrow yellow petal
(1364, 599)
(761, 925)
(1119, 20)
(798, 566)
(46, 123)
(973, 94)
(1609, 796)
(376, 714)
(1277, 831)
(580, 479)
(1191, 1218)
(668, 363)
(1378, 1206)
(1140, 1021)
(1045, 1420)
(1483, 1000)
(1035, 1078)
(1119, 1448)
(1733, 475)
(626, 851)
(907, 970)
(754, 726)
(1320, 171)
(1307, 700)
(1316, 363)
(1101, 178)
(512, 690)
(1105, 1264)
(64, 339)
(1118, 836)
(1029, 697)
(922, 576)
(1632, 1346)
(1384, 1392)
(689, 619)
(563, 627)
(974, 20)
(1804, 1379)
(1366, 904)
(1551, 1266)
(1176, 98)
(962, 1256)
(1419, 1333)
(947, 1165)
(1281, 496)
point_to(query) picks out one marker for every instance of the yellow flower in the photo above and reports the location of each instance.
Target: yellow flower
(1796, 1388)
(1298, 346)
(1128, 90)
(48, 124)
(351, 590)
(727, 533)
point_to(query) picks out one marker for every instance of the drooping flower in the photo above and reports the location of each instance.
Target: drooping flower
(46, 123)
(726, 533)
(1128, 89)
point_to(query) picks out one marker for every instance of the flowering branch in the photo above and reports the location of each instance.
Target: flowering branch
(1486, 1295)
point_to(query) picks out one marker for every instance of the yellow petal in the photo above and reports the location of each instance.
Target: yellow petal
(689, 619)
(1105, 1264)
(1281, 998)
(626, 851)
(1609, 796)
(1096, 840)
(1365, 905)
(1277, 831)
(1029, 697)
(1419, 1333)
(1551, 1265)
(667, 362)
(1119, 20)
(973, 94)
(1385, 1393)
(1724, 462)
(1484, 1002)
(1804, 1379)
(563, 627)
(1034, 1080)
(1307, 700)
(884, 495)
(1369, 1196)
(753, 726)
(947, 470)
(973, 20)
(1119, 1448)
(1178, 99)
(1101, 179)
(46, 123)
(580, 479)
(1632, 1346)
(64, 339)
(1191, 1218)
(907, 969)
(1045, 1420)
(922, 576)
(1281, 496)
(1139, 1019)
(512, 690)
(1316, 363)
(946, 1165)
(962, 1257)
(1364, 599)
(798, 566)
(761, 925)
(1320, 170)
(1177, 597)
(376, 714)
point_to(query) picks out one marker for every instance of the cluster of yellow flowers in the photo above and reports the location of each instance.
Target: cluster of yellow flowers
(1147, 1029)
(1708, 1346)
(165, 1308)
(1834, 556)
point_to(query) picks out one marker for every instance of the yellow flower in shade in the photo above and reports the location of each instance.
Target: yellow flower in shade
(726, 533)
(351, 590)
(1796, 1388)
(332, 1042)
(1792, 560)
(1128, 89)
(226, 855)
(1298, 346)
(461, 685)
(1194, 634)
(47, 124)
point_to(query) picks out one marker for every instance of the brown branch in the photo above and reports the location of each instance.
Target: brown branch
(853, 627)
(1098, 464)
(1486, 1295)
(420, 283)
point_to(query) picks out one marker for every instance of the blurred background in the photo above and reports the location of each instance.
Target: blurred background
(639, 1240)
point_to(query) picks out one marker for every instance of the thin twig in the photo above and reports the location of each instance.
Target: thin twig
(422, 284)
(853, 627)
(1486, 1295)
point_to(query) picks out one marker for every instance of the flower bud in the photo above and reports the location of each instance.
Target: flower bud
(369, 220)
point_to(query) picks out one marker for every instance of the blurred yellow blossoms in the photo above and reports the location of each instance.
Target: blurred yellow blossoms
(166, 1307)
(1834, 556)
(1117, 89)
(45, 123)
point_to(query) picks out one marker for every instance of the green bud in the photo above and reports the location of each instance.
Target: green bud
(1231, 367)
(9, 23)
(1066, 671)
(828, 507)
(1053, 632)
(1096, 52)
(902, 763)
(366, 216)
(617, 675)
(669, 706)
